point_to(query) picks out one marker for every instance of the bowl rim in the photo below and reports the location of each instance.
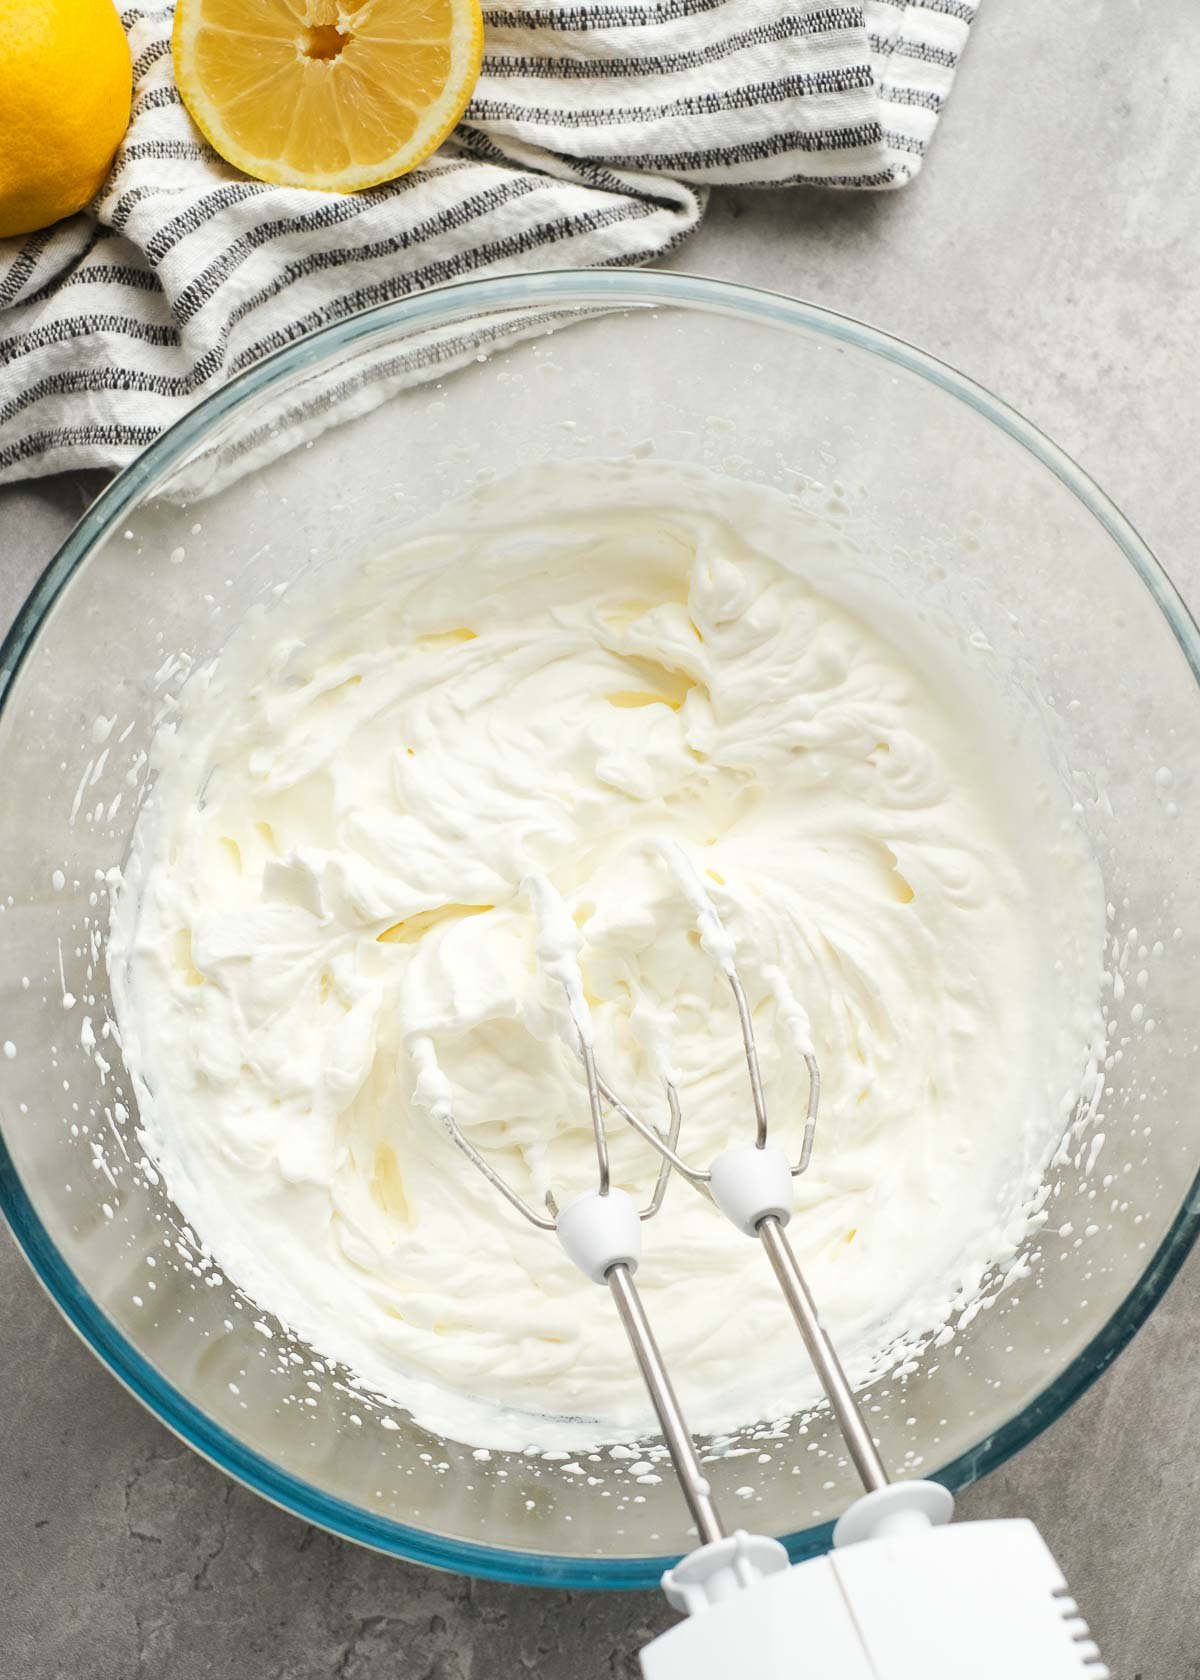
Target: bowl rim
(609, 290)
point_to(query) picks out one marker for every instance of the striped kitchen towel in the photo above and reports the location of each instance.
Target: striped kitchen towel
(592, 138)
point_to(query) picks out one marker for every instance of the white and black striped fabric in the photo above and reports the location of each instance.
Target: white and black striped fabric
(593, 135)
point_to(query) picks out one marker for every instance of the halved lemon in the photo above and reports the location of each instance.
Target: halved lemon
(310, 93)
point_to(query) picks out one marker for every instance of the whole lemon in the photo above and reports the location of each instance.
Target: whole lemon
(65, 87)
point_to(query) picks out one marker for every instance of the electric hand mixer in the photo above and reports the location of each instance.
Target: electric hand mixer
(902, 1596)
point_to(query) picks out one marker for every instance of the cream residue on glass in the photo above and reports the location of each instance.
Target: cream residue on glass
(329, 922)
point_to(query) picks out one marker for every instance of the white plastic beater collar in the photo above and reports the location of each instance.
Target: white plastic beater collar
(750, 1184)
(599, 1231)
(900, 1508)
(717, 1571)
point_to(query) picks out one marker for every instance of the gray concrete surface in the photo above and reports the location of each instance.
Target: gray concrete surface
(1050, 250)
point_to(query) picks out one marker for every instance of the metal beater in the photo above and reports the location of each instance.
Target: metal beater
(902, 1597)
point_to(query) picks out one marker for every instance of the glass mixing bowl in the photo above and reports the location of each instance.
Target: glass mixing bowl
(943, 496)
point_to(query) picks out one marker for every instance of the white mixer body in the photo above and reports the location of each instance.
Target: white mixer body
(972, 1601)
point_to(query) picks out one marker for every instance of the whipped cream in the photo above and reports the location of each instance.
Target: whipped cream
(621, 723)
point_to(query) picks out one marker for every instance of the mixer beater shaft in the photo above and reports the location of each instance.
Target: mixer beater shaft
(599, 1230)
(692, 1480)
(858, 1439)
(750, 1182)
